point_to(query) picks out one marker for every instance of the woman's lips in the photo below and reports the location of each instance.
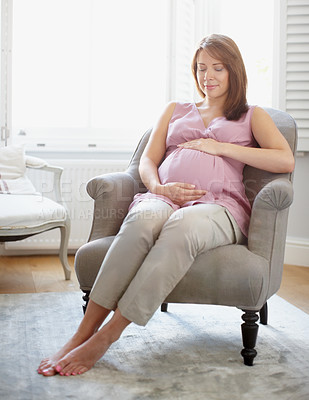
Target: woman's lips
(210, 87)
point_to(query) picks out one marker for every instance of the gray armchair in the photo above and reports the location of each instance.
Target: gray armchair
(242, 276)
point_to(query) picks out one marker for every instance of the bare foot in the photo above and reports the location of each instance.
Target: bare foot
(47, 366)
(83, 358)
(87, 346)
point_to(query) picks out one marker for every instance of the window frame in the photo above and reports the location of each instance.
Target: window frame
(6, 72)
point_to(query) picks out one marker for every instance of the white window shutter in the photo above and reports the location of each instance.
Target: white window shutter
(297, 67)
(181, 48)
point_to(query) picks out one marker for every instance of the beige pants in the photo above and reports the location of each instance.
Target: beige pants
(152, 252)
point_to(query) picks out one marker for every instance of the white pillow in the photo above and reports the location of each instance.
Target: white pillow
(12, 171)
(21, 185)
(12, 162)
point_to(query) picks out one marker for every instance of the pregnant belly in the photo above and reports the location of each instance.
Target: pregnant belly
(191, 166)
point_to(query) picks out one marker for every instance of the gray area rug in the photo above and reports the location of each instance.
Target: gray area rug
(191, 352)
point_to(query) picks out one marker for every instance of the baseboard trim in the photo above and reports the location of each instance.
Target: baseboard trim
(297, 252)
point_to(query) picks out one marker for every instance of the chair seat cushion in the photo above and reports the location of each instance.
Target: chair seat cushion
(228, 275)
(25, 211)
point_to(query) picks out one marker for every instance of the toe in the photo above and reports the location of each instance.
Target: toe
(58, 368)
(44, 365)
(49, 372)
(61, 365)
(69, 369)
(81, 370)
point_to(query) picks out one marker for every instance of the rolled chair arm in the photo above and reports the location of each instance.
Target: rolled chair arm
(39, 163)
(35, 162)
(112, 194)
(268, 221)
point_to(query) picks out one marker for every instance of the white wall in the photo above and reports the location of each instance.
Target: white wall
(297, 247)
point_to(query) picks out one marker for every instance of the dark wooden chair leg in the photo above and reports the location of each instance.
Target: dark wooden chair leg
(86, 299)
(264, 314)
(249, 335)
(164, 307)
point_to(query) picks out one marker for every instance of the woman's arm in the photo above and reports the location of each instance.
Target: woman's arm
(274, 155)
(153, 154)
(155, 150)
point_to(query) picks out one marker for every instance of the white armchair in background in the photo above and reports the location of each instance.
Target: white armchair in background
(24, 211)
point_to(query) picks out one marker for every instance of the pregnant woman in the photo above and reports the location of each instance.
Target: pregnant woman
(192, 167)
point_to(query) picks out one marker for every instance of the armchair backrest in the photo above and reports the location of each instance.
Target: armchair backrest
(254, 179)
(134, 162)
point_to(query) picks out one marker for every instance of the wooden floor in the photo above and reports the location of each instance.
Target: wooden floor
(30, 274)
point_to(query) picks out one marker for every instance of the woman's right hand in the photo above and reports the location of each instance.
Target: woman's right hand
(180, 193)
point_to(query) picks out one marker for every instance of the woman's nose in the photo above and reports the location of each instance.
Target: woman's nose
(208, 75)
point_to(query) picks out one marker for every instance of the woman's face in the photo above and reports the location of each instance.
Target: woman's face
(212, 76)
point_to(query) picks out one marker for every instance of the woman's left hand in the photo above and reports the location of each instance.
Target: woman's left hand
(208, 145)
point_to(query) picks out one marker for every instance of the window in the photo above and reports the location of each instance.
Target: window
(83, 70)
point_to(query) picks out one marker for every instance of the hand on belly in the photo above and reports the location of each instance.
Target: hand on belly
(180, 193)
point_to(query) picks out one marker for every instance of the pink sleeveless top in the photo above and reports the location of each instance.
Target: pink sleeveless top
(221, 176)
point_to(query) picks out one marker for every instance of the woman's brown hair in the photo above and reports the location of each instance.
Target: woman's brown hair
(225, 49)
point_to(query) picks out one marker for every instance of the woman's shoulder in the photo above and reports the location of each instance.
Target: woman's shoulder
(168, 110)
(178, 108)
(247, 116)
(174, 109)
(261, 117)
(258, 112)
(183, 106)
(181, 103)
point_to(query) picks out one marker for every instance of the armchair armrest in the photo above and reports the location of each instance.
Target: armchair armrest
(112, 194)
(34, 162)
(39, 163)
(269, 218)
